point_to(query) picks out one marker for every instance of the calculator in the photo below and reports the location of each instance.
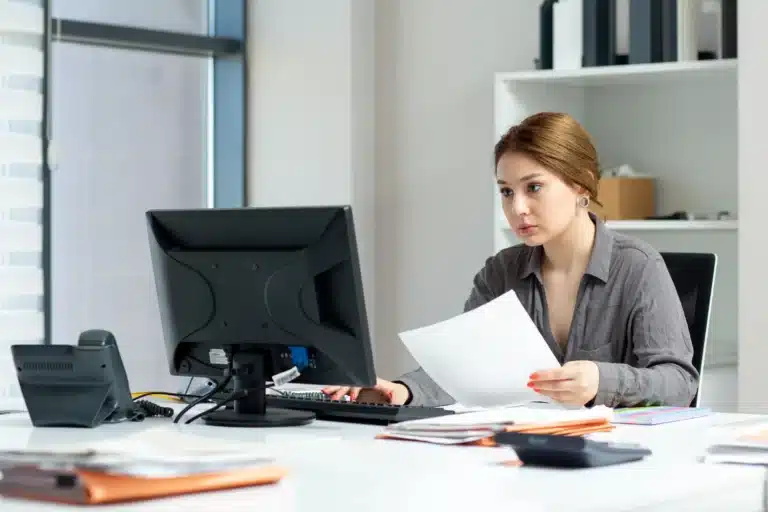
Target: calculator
(569, 452)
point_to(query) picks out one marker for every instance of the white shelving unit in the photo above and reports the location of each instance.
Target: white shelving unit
(665, 225)
(672, 225)
(674, 121)
(624, 74)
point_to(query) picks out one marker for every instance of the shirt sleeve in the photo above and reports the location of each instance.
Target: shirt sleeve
(422, 389)
(664, 373)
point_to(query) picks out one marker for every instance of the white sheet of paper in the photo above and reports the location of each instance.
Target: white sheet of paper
(483, 357)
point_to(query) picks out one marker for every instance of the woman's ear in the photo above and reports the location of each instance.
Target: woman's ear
(579, 190)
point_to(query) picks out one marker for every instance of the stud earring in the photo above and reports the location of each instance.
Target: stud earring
(583, 201)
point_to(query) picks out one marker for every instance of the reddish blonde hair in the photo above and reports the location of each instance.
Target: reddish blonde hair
(557, 142)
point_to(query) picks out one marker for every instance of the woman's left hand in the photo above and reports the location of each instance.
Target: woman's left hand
(574, 383)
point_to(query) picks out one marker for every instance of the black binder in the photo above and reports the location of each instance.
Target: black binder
(598, 32)
(645, 31)
(729, 31)
(546, 34)
(669, 31)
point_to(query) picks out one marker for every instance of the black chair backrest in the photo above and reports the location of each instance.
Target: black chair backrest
(694, 278)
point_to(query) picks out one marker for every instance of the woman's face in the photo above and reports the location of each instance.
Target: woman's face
(537, 203)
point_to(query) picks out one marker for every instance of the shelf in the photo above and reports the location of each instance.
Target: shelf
(627, 73)
(673, 225)
(665, 225)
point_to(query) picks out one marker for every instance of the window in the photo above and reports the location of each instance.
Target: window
(22, 64)
(188, 16)
(130, 132)
(146, 111)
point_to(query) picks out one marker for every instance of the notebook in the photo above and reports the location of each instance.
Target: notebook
(657, 415)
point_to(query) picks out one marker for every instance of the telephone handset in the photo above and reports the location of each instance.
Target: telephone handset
(121, 392)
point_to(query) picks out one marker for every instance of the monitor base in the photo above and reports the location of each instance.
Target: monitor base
(272, 417)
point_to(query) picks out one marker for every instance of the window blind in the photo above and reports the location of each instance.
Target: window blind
(22, 66)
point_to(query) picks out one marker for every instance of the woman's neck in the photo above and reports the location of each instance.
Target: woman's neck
(570, 252)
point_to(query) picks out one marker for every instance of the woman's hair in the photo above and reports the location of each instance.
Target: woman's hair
(557, 142)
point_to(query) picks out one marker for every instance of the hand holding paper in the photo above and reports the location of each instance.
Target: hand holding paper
(575, 383)
(485, 356)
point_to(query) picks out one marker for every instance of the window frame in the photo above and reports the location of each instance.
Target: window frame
(225, 44)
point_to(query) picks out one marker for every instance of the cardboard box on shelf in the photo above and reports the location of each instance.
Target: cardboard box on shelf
(625, 198)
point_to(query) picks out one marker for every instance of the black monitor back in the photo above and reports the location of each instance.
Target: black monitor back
(262, 280)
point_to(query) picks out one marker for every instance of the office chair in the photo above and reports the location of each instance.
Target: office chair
(694, 278)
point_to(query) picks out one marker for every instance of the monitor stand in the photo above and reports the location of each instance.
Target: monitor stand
(252, 410)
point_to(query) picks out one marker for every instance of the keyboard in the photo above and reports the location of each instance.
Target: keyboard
(355, 412)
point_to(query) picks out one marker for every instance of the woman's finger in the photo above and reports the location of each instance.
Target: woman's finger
(543, 375)
(339, 393)
(552, 385)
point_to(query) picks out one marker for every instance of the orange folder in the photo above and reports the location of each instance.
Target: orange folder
(79, 487)
(564, 427)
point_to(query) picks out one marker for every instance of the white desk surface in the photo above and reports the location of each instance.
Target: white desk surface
(337, 467)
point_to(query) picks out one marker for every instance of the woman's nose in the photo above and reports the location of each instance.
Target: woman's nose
(519, 205)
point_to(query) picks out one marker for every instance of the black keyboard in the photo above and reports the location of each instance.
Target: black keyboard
(356, 412)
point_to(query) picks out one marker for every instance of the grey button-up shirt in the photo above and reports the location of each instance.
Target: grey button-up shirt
(628, 319)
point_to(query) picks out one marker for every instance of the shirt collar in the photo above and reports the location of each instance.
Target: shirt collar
(599, 262)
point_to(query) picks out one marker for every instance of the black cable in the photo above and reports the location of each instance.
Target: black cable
(147, 409)
(236, 395)
(221, 385)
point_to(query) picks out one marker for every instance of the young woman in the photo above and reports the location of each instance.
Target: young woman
(604, 302)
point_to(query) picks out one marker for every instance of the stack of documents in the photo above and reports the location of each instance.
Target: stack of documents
(479, 427)
(484, 357)
(113, 472)
(740, 445)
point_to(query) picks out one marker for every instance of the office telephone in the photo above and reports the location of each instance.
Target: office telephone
(83, 385)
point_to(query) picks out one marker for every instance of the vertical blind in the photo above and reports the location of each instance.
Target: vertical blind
(22, 66)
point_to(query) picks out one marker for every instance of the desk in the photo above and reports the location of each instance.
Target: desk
(342, 468)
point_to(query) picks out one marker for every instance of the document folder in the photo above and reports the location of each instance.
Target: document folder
(479, 428)
(83, 487)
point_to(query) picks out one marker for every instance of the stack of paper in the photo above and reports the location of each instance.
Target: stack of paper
(480, 426)
(747, 445)
(131, 470)
(484, 357)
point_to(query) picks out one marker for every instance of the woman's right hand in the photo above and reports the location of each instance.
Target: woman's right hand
(383, 392)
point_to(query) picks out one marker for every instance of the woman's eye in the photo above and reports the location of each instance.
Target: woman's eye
(506, 191)
(534, 187)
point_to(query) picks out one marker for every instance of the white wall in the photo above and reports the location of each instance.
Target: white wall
(753, 235)
(310, 125)
(129, 128)
(435, 137)
(310, 131)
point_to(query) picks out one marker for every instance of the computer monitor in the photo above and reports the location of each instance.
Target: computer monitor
(257, 291)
